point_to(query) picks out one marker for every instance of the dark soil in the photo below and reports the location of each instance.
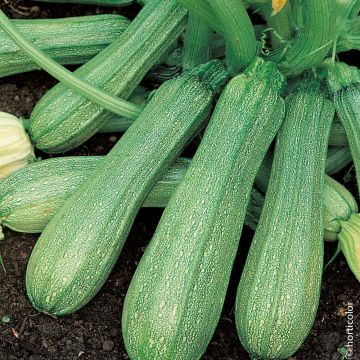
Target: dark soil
(95, 332)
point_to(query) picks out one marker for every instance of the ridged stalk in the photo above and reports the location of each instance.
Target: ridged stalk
(202, 9)
(348, 25)
(280, 24)
(197, 42)
(316, 36)
(238, 31)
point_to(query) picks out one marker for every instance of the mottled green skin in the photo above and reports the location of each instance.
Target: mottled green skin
(339, 203)
(338, 135)
(347, 105)
(176, 296)
(30, 196)
(73, 40)
(64, 119)
(279, 290)
(77, 250)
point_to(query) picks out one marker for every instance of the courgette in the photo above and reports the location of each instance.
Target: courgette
(77, 250)
(338, 135)
(279, 289)
(63, 119)
(176, 296)
(344, 83)
(339, 203)
(32, 195)
(73, 40)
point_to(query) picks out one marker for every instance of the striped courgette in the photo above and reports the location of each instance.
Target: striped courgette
(63, 119)
(177, 293)
(73, 40)
(77, 250)
(279, 290)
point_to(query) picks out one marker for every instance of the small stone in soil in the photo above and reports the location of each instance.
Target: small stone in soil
(108, 345)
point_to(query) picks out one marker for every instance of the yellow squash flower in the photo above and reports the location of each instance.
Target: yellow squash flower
(278, 5)
(16, 150)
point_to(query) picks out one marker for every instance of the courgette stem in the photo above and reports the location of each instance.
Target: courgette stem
(203, 10)
(107, 101)
(316, 36)
(197, 42)
(238, 31)
(73, 40)
(280, 24)
(348, 25)
(350, 39)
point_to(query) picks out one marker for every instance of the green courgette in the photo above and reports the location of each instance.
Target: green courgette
(279, 289)
(32, 195)
(344, 83)
(73, 40)
(177, 293)
(339, 203)
(77, 250)
(63, 119)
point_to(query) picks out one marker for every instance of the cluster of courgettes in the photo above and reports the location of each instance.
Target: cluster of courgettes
(265, 108)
